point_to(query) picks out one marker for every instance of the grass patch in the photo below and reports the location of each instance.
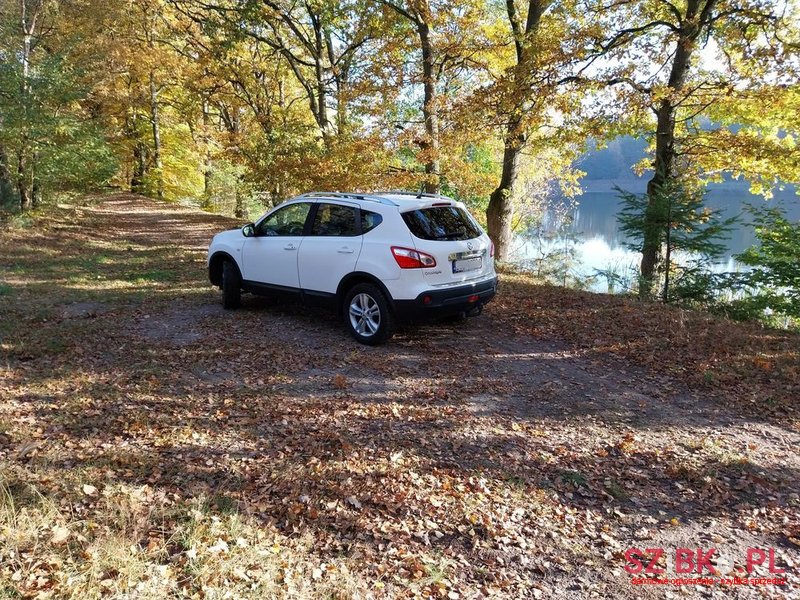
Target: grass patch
(575, 478)
(224, 504)
(24, 513)
(22, 221)
(617, 491)
(516, 482)
(139, 543)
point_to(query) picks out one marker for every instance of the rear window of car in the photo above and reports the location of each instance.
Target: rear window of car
(441, 223)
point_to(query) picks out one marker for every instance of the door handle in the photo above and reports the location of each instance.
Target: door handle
(345, 250)
(290, 247)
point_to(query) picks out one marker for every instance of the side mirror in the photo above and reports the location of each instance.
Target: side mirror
(249, 230)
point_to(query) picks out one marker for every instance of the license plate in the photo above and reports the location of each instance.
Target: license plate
(468, 264)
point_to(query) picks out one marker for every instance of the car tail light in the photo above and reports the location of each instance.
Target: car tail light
(412, 259)
(491, 249)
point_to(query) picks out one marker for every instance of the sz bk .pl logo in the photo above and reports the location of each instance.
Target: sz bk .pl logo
(694, 560)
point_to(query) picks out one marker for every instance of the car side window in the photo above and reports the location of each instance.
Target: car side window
(335, 220)
(289, 220)
(369, 220)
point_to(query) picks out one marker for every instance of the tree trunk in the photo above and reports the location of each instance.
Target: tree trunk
(23, 189)
(36, 188)
(341, 106)
(324, 123)
(27, 40)
(6, 193)
(664, 158)
(207, 142)
(321, 102)
(430, 146)
(154, 119)
(500, 212)
(667, 252)
(25, 164)
(239, 211)
(340, 73)
(36, 194)
(139, 167)
(695, 21)
(320, 76)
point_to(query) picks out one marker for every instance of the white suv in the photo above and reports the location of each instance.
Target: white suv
(375, 258)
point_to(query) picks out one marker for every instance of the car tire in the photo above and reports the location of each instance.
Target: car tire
(231, 285)
(367, 314)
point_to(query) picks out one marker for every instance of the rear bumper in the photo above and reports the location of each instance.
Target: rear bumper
(443, 303)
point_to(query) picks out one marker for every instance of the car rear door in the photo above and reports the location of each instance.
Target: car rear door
(448, 232)
(331, 248)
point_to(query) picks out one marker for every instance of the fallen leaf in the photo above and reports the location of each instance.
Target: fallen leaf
(60, 535)
(220, 547)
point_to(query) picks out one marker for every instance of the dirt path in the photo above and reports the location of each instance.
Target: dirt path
(462, 460)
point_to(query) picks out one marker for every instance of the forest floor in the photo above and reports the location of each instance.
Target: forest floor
(153, 445)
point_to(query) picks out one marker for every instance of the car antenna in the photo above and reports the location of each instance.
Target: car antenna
(421, 189)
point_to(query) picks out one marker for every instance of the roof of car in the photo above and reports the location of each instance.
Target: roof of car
(397, 198)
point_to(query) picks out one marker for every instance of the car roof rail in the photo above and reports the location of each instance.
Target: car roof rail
(417, 194)
(349, 195)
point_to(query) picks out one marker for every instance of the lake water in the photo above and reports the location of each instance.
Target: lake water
(599, 245)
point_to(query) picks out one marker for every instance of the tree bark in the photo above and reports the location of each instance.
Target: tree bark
(239, 209)
(5, 178)
(140, 160)
(25, 157)
(23, 189)
(664, 158)
(430, 145)
(320, 72)
(28, 29)
(342, 91)
(341, 108)
(36, 189)
(207, 168)
(500, 212)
